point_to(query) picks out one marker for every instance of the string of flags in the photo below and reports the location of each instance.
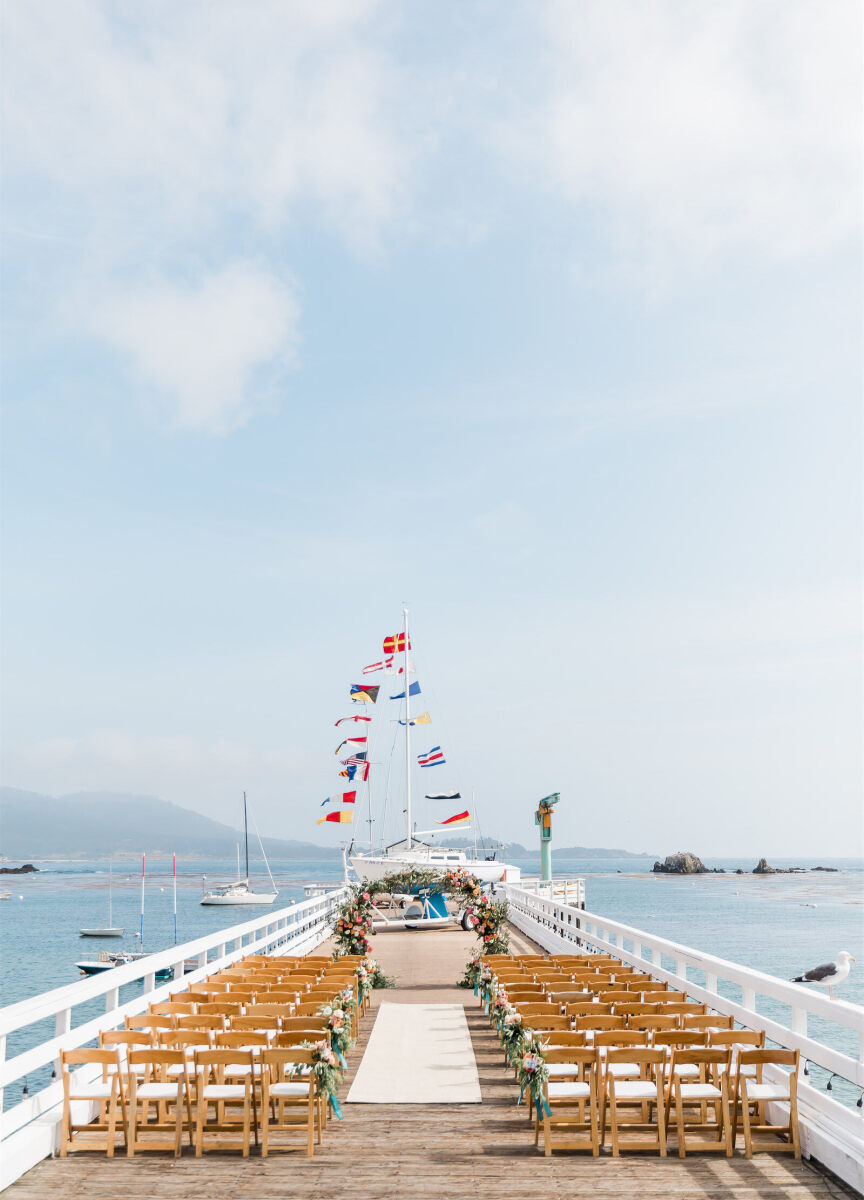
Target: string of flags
(355, 768)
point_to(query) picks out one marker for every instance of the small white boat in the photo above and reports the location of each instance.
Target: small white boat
(240, 892)
(109, 930)
(5, 895)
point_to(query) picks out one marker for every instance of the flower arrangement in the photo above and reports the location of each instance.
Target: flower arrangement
(328, 1071)
(339, 1024)
(353, 923)
(473, 973)
(532, 1074)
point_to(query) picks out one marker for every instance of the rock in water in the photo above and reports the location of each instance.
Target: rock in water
(682, 863)
(762, 868)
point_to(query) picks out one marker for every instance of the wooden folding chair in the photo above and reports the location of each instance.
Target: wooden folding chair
(213, 1090)
(107, 1091)
(571, 1095)
(707, 1021)
(314, 1022)
(647, 1092)
(213, 1022)
(158, 1077)
(154, 1022)
(638, 1008)
(289, 1091)
(171, 1008)
(220, 1008)
(701, 1077)
(684, 1011)
(752, 1092)
(652, 1022)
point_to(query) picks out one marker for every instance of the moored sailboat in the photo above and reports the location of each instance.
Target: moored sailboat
(240, 892)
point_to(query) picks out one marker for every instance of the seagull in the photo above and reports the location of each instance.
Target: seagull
(829, 973)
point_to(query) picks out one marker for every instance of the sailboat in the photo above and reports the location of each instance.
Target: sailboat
(240, 892)
(410, 851)
(110, 930)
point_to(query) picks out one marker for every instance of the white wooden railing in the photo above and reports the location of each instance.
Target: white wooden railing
(831, 1132)
(28, 1129)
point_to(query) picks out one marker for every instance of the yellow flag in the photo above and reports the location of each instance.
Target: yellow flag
(423, 719)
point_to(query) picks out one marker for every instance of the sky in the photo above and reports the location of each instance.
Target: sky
(542, 319)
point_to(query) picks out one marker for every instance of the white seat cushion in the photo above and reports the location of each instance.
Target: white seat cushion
(289, 1089)
(624, 1068)
(700, 1091)
(224, 1091)
(767, 1091)
(561, 1069)
(568, 1091)
(243, 1069)
(637, 1089)
(688, 1069)
(92, 1091)
(158, 1091)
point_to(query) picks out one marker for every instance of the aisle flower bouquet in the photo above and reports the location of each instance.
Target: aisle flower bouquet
(531, 1075)
(511, 1033)
(339, 1024)
(328, 1071)
(473, 973)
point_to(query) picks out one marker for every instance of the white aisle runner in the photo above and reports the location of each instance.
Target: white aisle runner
(418, 1054)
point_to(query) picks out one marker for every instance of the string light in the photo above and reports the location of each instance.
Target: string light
(806, 1070)
(25, 1091)
(828, 1087)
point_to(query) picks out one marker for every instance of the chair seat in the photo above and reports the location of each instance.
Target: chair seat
(624, 1068)
(686, 1069)
(561, 1069)
(700, 1091)
(224, 1091)
(158, 1091)
(243, 1069)
(92, 1091)
(767, 1091)
(636, 1089)
(568, 1091)
(289, 1089)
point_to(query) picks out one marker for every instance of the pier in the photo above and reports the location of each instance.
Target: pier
(391, 1151)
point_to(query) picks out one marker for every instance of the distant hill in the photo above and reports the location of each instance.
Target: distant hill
(91, 824)
(517, 850)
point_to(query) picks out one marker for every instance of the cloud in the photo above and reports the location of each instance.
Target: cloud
(206, 350)
(689, 131)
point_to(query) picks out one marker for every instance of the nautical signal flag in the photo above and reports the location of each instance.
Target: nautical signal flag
(432, 758)
(357, 717)
(463, 818)
(395, 644)
(423, 719)
(358, 741)
(443, 795)
(363, 694)
(343, 816)
(373, 667)
(359, 771)
(341, 797)
(413, 690)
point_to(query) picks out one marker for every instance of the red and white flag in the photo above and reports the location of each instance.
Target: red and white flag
(373, 667)
(342, 720)
(358, 741)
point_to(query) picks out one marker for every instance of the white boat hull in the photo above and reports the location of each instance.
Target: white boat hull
(375, 866)
(244, 898)
(104, 933)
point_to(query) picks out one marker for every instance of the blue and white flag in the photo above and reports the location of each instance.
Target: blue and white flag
(413, 690)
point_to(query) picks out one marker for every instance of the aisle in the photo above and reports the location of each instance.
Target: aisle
(417, 1054)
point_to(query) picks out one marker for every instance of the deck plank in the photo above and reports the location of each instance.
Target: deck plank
(387, 1152)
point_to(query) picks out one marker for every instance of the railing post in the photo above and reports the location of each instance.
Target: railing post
(2, 1063)
(112, 999)
(62, 1024)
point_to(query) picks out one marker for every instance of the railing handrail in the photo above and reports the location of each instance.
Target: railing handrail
(794, 994)
(48, 1004)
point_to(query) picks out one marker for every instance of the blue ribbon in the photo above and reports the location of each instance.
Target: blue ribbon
(334, 1104)
(542, 1100)
(340, 1057)
(475, 987)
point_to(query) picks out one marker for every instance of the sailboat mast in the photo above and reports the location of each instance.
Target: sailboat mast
(407, 733)
(143, 877)
(246, 836)
(110, 921)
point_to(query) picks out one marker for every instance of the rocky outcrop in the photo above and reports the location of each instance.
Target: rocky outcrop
(27, 869)
(762, 868)
(682, 863)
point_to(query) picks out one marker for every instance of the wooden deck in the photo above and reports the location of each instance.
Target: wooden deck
(384, 1152)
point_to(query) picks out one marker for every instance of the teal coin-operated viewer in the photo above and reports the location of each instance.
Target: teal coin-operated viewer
(543, 818)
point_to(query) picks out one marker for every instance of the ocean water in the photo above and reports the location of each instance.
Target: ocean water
(780, 924)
